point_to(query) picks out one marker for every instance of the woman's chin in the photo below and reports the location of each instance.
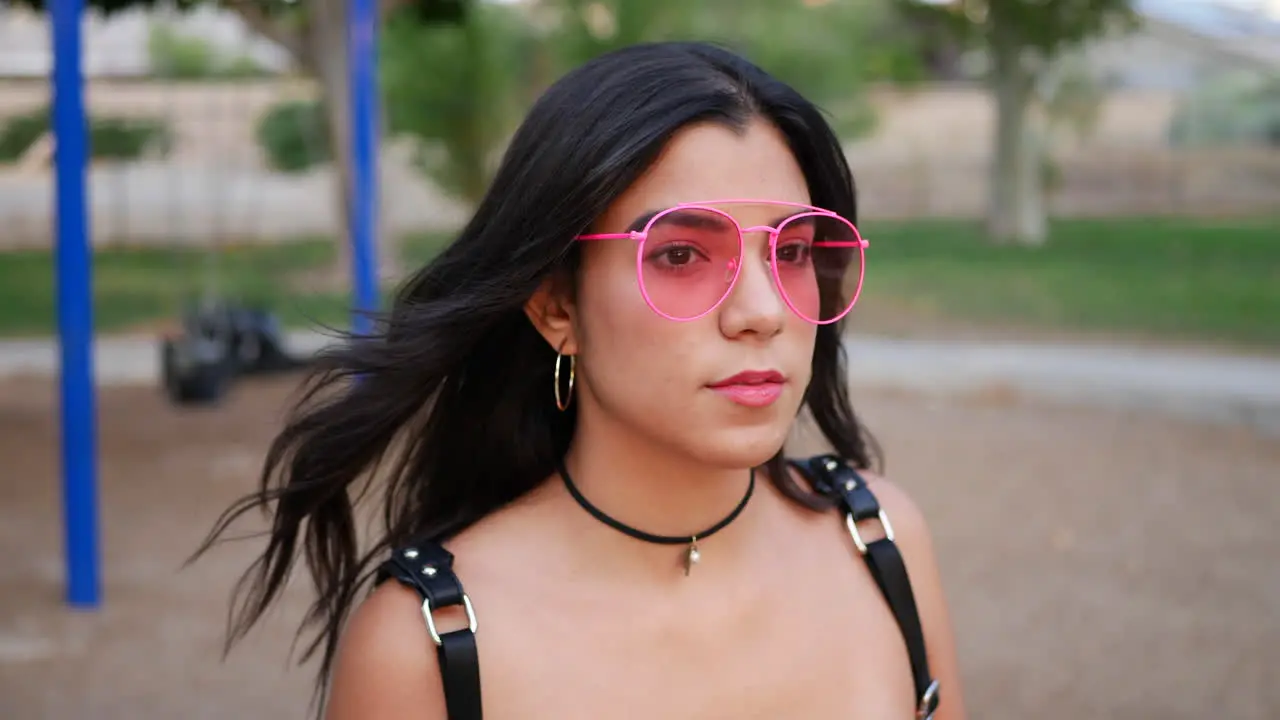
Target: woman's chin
(740, 447)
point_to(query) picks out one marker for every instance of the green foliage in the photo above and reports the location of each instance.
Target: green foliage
(1072, 97)
(115, 138)
(445, 12)
(242, 67)
(1023, 42)
(1048, 26)
(109, 7)
(1233, 110)
(173, 55)
(110, 138)
(459, 90)
(20, 132)
(456, 90)
(827, 51)
(294, 136)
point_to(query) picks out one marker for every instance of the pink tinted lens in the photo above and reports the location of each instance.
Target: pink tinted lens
(688, 261)
(819, 264)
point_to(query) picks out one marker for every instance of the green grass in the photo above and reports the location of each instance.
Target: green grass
(1160, 279)
(138, 286)
(142, 287)
(1155, 278)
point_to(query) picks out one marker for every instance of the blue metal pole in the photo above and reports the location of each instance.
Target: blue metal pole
(362, 54)
(75, 311)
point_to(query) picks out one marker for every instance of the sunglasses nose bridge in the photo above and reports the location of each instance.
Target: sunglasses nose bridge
(769, 231)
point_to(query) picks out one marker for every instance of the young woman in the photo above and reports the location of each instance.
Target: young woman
(576, 418)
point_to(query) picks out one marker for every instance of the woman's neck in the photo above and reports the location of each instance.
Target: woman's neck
(660, 498)
(653, 489)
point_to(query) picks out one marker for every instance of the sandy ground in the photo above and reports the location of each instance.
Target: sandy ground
(1099, 564)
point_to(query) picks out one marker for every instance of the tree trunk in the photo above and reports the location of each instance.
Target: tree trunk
(327, 52)
(390, 257)
(1017, 212)
(322, 52)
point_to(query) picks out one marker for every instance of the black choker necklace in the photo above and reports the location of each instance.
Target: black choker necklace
(692, 555)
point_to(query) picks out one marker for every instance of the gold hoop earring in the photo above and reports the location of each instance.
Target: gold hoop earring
(563, 404)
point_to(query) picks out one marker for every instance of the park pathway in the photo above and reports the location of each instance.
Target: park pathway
(1204, 386)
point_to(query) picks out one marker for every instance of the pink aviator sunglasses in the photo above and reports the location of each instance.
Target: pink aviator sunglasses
(689, 257)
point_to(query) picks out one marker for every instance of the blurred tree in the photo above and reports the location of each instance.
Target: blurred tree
(934, 50)
(1070, 98)
(175, 55)
(462, 110)
(1022, 39)
(1240, 108)
(487, 70)
(314, 33)
(827, 49)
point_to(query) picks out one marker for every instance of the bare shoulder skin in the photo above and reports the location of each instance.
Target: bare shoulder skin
(386, 665)
(754, 639)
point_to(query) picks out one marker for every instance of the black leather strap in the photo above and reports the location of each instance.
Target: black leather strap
(834, 477)
(428, 568)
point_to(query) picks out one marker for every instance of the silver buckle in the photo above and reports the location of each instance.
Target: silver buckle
(928, 702)
(857, 537)
(431, 623)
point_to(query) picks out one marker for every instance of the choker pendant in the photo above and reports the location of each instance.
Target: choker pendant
(691, 556)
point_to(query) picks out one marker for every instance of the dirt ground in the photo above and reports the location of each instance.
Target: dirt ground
(1099, 564)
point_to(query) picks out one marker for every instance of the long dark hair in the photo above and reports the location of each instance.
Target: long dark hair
(448, 408)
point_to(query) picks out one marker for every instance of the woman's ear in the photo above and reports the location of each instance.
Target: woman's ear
(553, 314)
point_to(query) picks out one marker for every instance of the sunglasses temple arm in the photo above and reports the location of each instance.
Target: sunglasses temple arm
(861, 244)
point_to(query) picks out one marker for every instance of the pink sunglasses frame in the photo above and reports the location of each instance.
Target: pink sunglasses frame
(810, 211)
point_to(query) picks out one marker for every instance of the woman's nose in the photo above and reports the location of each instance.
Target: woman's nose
(754, 305)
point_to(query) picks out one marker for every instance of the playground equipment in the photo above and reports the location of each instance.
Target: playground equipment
(74, 267)
(220, 343)
(215, 202)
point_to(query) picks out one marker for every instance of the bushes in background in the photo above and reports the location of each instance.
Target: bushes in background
(19, 132)
(294, 136)
(117, 138)
(174, 56)
(110, 138)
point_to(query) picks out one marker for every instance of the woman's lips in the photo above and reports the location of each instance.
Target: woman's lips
(753, 388)
(752, 395)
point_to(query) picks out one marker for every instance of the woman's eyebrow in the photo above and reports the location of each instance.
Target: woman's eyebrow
(642, 220)
(638, 224)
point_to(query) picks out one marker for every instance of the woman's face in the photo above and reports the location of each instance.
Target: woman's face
(672, 382)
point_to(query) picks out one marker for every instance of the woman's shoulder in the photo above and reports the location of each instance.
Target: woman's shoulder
(910, 527)
(899, 515)
(914, 539)
(385, 661)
